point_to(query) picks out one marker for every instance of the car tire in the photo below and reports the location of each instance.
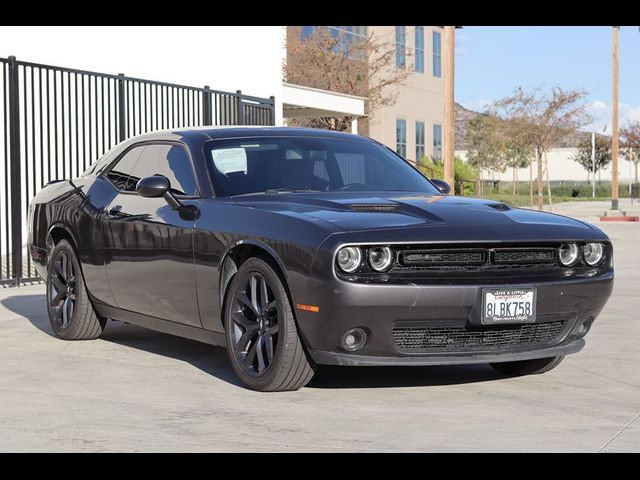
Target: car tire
(71, 313)
(263, 344)
(528, 367)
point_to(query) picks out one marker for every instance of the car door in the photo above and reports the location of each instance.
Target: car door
(148, 244)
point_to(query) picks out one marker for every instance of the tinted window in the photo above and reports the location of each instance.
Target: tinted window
(437, 141)
(121, 173)
(171, 161)
(401, 56)
(401, 137)
(437, 54)
(254, 165)
(419, 141)
(419, 50)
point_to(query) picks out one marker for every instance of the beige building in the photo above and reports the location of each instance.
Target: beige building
(413, 125)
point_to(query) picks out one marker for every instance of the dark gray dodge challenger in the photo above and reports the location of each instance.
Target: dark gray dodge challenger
(295, 248)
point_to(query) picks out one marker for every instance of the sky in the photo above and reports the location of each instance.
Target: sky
(492, 61)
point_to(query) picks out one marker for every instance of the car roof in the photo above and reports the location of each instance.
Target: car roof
(243, 131)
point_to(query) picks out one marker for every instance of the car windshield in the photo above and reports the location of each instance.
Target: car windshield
(301, 164)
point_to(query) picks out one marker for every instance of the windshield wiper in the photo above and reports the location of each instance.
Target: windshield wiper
(290, 190)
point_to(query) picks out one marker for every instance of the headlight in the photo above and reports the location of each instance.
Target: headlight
(349, 259)
(568, 253)
(593, 253)
(380, 258)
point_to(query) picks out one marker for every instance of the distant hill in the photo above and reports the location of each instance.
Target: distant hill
(464, 116)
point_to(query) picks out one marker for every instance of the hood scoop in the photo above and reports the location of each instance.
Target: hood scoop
(501, 207)
(374, 207)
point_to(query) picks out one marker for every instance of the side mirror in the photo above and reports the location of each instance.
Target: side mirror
(157, 186)
(441, 185)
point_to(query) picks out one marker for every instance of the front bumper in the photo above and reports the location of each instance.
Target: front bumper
(355, 360)
(377, 308)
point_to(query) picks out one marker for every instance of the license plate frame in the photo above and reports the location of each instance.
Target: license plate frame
(513, 312)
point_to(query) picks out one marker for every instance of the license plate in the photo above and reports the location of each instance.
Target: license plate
(509, 305)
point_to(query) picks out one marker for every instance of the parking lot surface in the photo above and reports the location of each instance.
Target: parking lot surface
(138, 390)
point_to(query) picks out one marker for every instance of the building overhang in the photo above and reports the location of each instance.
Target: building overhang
(307, 102)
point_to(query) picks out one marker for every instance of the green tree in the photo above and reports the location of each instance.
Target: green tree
(630, 143)
(515, 152)
(602, 154)
(485, 143)
(464, 174)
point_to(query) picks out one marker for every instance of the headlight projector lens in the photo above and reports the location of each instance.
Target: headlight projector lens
(349, 259)
(593, 253)
(568, 253)
(380, 258)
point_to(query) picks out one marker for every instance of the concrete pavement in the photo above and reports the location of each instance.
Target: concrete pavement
(137, 390)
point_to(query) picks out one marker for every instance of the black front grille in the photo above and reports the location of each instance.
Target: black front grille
(518, 256)
(462, 339)
(438, 258)
(483, 258)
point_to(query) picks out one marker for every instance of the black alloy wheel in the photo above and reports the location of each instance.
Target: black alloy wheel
(71, 313)
(255, 325)
(62, 289)
(263, 344)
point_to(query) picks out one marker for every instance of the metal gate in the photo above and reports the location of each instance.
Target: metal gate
(54, 122)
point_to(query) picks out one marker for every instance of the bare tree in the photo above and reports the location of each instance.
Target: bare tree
(346, 64)
(630, 142)
(602, 154)
(542, 119)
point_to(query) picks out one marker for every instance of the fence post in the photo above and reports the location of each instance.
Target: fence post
(206, 106)
(122, 119)
(240, 108)
(273, 110)
(14, 155)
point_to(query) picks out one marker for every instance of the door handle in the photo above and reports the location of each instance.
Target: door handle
(114, 211)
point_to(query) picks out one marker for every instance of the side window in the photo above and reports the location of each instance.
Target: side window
(121, 174)
(171, 161)
(352, 167)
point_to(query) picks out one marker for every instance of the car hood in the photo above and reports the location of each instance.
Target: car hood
(357, 212)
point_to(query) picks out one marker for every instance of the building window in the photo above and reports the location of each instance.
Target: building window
(419, 141)
(401, 57)
(348, 34)
(351, 34)
(437, 54)
(401, 137)
(437, 141)
(419, 53)
(307, 32)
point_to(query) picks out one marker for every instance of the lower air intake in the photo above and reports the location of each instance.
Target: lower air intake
(462, 339)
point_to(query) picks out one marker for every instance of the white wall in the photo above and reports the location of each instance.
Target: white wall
(562, 167)
(247, 58)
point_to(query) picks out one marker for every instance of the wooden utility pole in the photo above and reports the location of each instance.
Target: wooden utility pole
(449, 113)
(614, 123)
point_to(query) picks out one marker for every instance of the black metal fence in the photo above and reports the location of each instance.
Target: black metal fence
(54, 122)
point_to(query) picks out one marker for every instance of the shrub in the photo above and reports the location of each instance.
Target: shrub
(464, 174)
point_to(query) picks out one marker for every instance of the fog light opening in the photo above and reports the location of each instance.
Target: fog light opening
(354, 339)
(585, 327)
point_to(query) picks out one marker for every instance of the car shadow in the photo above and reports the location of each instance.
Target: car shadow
(397, 377)
(213, 360)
